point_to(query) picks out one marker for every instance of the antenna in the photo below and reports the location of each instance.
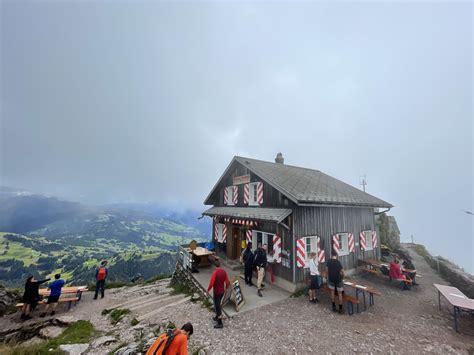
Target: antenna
(363, 181)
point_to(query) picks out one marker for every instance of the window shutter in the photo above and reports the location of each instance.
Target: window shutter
(300, 252)
(224, 233)
(260, 193)
(235, 194)
(362, 241)
(351, 243)
(226, 195)
(246, 194)
(277, 248)
(248, 236)
(374, 239)
(216, 231)
(336, 246)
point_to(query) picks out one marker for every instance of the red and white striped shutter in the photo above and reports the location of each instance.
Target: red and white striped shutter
(248, 236)
(374, 239)
(362, 241)
(335, 243)
(277, 248)
(224, 233)
(260, 193)
(351, 243)
(246, 194)
(321, 253)
(235, 195)
(216, 231)
(226, 196)
(300, 252)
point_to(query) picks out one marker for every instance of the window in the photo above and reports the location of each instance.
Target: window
(343, 244)
(230, 195)
(259, 237)
(311, 244)
(368, 240)
(220, 227)
(253, 190)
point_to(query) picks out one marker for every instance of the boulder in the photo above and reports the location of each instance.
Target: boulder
(50, 332)
(74, 349)
(64, 320)
(130, 349)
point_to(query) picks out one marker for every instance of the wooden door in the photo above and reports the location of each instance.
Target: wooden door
(236, 243)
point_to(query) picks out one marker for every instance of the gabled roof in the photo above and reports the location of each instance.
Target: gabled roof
(260, 213)
(307, 186)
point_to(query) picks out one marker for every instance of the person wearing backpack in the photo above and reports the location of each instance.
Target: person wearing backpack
(100, 276)
(173, 342)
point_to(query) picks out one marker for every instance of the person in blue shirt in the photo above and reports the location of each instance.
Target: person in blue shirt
(53, 298)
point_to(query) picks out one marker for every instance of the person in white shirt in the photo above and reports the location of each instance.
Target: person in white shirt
(314, 276)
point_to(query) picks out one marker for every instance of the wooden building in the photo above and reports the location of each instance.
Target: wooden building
(294, 211)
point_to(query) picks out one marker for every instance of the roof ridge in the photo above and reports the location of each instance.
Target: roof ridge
(270, 162)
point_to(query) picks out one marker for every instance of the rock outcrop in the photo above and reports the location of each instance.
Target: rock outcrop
(8, 299)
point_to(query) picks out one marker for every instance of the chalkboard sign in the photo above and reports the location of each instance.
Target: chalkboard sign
(238, 295)
(234, 294)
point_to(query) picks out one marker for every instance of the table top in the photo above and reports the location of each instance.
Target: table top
(455, 297)
(357, 285)
(199, 251)
(71, 289)
(378, 263)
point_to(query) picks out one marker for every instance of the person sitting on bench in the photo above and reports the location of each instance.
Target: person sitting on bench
(396, 272)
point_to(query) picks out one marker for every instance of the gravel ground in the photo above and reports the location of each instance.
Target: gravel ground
(400, 322)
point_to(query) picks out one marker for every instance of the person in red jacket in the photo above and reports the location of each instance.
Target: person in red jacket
(219, 279)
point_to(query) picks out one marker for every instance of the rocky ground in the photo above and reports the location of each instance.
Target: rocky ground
(399, 322)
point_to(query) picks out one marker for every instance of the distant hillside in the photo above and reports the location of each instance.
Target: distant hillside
(42, 234)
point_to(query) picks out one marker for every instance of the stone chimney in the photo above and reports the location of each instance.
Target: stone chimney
(279, 159)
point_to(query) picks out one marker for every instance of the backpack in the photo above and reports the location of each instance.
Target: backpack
(101, 274)
(164, 339)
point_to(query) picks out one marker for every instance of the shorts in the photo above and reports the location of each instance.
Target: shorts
(53, 299)
(336, 285)
(315, 285)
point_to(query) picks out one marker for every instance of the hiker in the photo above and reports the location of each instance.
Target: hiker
(31, 296)
(314, 277)
(54, 295)
(396, 272)
(411, 275)
(261, 264)
(100, 276)
(219, 278)
(248, 259)
(174, 341)
(335, 276)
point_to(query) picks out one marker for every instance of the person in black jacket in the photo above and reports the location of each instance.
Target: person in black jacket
(31, 296)
(248, 259)
(260, 264)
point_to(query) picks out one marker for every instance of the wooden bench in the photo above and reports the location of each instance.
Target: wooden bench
(346, 298)
(61, 300)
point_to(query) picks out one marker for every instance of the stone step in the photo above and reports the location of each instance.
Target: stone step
(130, 301)
(152, 302)
(157, 311)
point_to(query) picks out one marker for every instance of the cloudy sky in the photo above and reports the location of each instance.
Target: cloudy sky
(125, 101)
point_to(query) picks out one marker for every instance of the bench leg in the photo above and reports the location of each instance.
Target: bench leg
(69, 305)
(357, 298)
(365, 304)
(371, 299)
(350, 308)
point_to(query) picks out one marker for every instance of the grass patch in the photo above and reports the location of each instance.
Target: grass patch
(79, 332)
(181, 288)
(117, 314)
(299, 293)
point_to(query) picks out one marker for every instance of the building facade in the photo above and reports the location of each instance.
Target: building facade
(294, 211)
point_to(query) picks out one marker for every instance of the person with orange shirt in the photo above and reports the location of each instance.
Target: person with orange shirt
(219, 279)
(174, 342)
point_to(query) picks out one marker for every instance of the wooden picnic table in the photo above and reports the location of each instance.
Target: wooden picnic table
(203, 255)
(378, 264)
(70, 290)
(459, 301)
(359, 288)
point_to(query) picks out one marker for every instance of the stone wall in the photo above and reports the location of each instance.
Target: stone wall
(452, 273)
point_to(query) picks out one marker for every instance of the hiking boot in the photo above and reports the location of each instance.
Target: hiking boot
(53, 313)
(334, 309)
(260, 293)
(215, 319)
(316, 300)
(42, 315)
(219, 326)
(341, 310)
